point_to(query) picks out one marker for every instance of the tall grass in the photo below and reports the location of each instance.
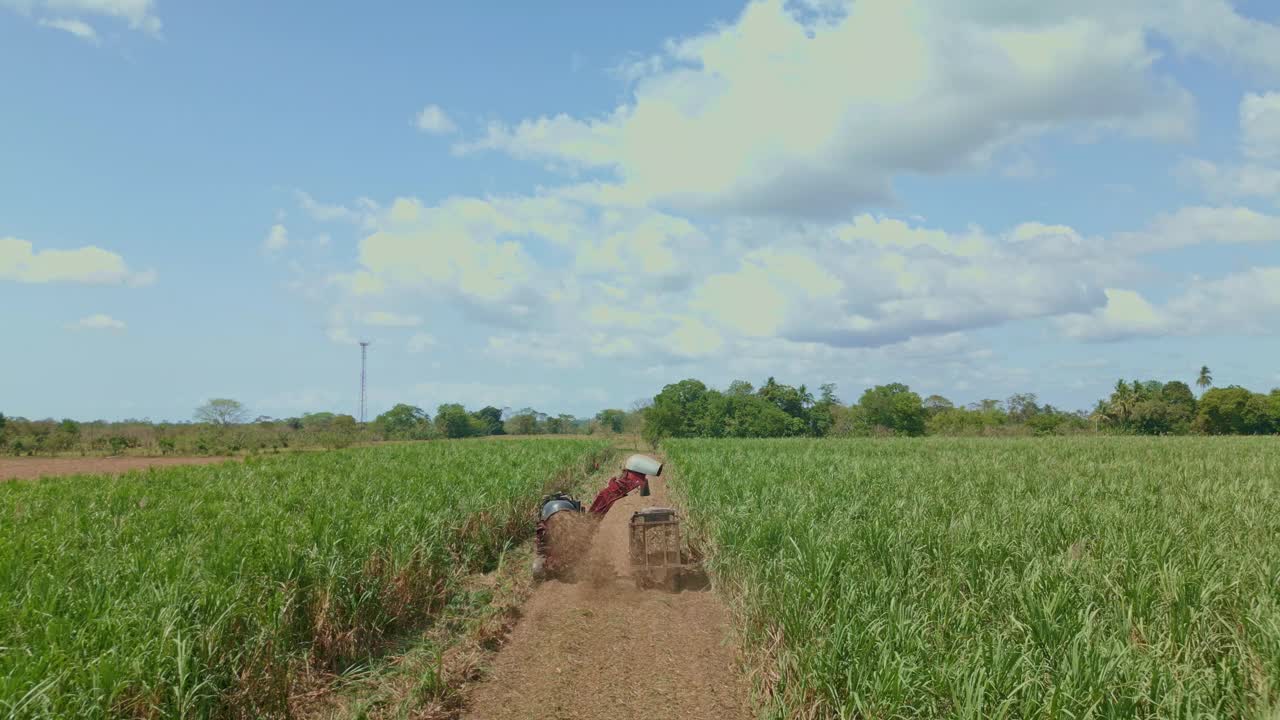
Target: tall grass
(1073, 578)
(208, 591)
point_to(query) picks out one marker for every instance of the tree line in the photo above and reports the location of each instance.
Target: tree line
(453, 420)
(690, 408)
(223, 426)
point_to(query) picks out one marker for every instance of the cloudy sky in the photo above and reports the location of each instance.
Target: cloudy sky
(568, 205)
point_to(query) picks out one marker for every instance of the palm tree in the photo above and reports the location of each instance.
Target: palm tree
(1099, 415)
(1206, 379)
(1122, 402)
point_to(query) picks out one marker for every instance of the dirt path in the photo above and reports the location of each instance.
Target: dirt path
(599, 648)
(32, 468)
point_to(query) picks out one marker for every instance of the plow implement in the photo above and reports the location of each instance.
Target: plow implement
(659, 555)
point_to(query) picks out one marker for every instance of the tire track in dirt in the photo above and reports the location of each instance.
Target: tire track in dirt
(600, 648)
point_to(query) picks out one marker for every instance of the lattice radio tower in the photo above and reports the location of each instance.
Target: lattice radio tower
(364, 349)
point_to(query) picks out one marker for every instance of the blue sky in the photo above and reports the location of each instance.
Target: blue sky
(568, 206)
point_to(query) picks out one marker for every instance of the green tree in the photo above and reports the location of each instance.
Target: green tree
(611, 420)
(747, 416)
(1182, 406)
(1120, 407)
(634, 421)
(1022, 406)
(65, 437)
(1225, 411)
(317, 420)
(1152, 417)
(558, 425)
(403, 422)
(1205, 380)
(523, 422)
(935, 404)
(790, 400)
(222, 411)
(1177, 392)
(1258, 416)
(453, 421)
(756, 417)
(343, 430)
(966, 421)
(490, 419)
(850, 421)
(821, 415)
(1046, 422)
(894, 407)
(677, 411)
(1273, 409)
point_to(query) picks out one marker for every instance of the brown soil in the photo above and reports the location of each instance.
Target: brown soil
(569, 537)
(30, 468)
(600, 648)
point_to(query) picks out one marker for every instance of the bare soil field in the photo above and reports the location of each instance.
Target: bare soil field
(31, 468)
(600, 648)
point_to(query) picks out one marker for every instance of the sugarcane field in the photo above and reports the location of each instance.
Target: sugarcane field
(729, 360)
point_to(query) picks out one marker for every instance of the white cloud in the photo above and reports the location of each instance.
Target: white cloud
(421, 342)
(1208, 29)
(693, 338)
(277, 238)
(880, 281)
(1258, 173)
(611, 346)
(360, 283)
(745, 300)
(888, 88)
(1202, 225)
(99, 322)
(1125, 314)
(1213, 29)
(612, 316)
(322, 212)
(866, 283)
(138, 14)
(456, 246)
(640, 242)
(339, 326)
(1232, 180)
(629, 260)
(90, 265)
(1240, 303)
(433, 119)
(477, 249)
(1260, 126)
(390, 319)
(79, 28)
(521, 348)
